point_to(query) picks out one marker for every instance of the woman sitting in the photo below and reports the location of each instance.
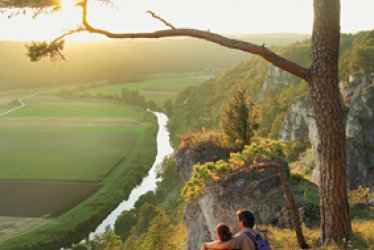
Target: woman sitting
(223, 234)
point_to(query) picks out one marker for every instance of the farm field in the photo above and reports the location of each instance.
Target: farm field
(39, 199)
(57, 152)
(13, 226)
(157, 89)
(66, 142)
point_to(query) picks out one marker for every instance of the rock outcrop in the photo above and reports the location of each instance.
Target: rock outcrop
(299, 123)
(360, 131)
(192, 154)
(359, 95)
(275, 78)
(222, 200)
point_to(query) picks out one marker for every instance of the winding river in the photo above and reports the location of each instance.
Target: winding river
(149, 182)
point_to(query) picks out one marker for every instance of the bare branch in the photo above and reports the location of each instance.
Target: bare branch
(261, 181)
(68, 33)
(161, 19)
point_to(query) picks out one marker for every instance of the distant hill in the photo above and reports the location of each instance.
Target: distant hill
(272, 38)
(118, 60)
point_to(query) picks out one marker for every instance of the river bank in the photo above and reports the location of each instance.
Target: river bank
(149, 183)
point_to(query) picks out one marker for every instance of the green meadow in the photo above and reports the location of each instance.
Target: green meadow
(158, 89)
(66, 141)
(99, 149)
(69, 156)
(76, 110)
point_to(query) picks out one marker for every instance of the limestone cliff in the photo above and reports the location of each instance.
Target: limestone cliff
(299, 123)
(360, 131)
(275, 78)
(358, 94)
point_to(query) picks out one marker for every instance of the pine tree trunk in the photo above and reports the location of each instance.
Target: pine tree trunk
(334, 209)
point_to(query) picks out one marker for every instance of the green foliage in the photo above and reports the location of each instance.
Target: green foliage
(132, 97)
(294, 148)
(363, 55)
(38, 50)
(158, 235)
(258, 151)
(146, 214)
(202, 106)
(360, 196)
(168, 108)
(124, 223)
(196, 184)
(238, 121)
(357, 54)
(105, 241)
(264, 150)
(155, 236)
(297, 52)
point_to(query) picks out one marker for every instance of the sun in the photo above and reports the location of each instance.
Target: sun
(68, 5)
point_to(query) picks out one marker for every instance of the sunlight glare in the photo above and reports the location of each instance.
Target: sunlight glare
(68, 5)
(237, 16)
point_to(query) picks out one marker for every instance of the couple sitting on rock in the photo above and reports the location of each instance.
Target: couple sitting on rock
(246, 239)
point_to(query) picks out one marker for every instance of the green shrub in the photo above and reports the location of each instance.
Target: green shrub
(261, 150)
(360, 196)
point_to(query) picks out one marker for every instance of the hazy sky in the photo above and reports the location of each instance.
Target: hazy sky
(221, 16)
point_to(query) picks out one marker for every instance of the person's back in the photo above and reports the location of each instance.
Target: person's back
(240, 240)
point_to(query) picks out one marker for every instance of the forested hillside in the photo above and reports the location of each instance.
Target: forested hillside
(271, 89)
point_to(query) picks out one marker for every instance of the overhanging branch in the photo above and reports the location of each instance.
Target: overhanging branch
(265, 53)
(260, 50)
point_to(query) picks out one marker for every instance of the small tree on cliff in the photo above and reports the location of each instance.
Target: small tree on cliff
(238, 121)
(322, 79)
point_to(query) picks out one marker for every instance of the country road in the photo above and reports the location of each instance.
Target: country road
(22, 104)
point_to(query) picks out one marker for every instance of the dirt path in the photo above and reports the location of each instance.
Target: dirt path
(22, 104)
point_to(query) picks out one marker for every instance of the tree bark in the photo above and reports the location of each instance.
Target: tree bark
(327, 105)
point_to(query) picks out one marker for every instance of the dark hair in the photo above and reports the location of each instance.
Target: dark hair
(246, 217)
(223, 232)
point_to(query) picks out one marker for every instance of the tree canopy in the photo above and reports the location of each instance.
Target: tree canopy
(238, 119)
